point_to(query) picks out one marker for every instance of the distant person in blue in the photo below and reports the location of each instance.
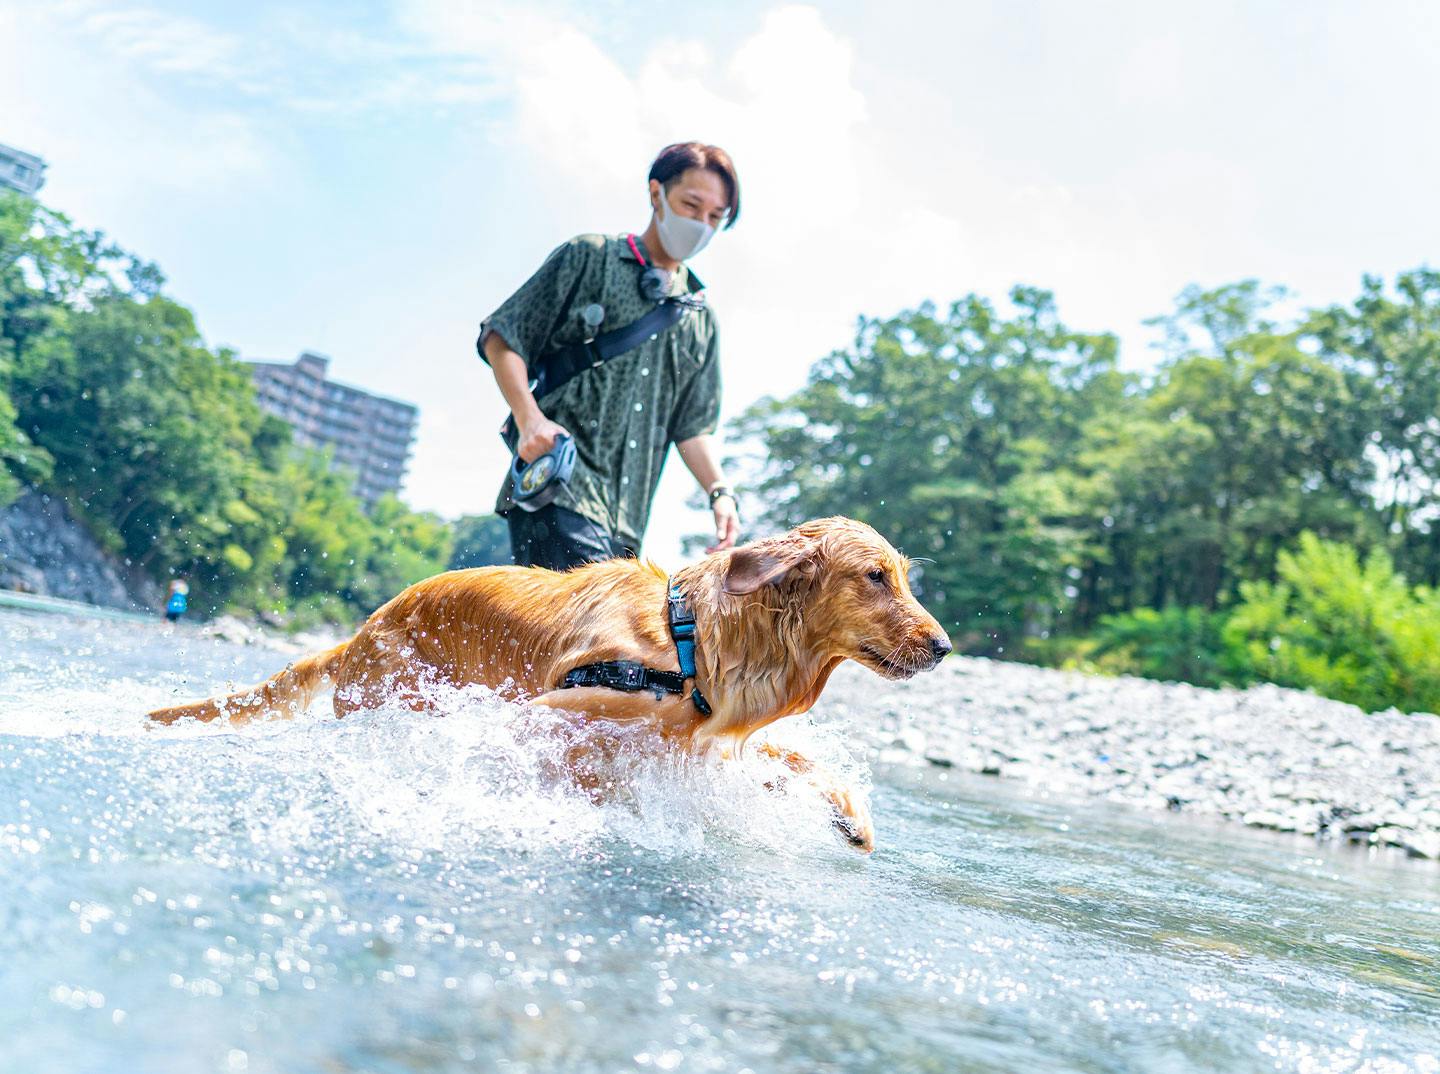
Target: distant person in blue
(178, 601)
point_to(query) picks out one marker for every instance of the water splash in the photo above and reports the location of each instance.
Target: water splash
(475, 771)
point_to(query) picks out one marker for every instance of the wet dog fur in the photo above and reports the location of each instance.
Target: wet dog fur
(774, 618)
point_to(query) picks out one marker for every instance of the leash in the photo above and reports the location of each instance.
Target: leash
(631, 675)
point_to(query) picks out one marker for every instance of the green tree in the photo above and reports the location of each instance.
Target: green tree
(21, 316)
(950, 434)
(1242, 439)
(405, 547)
(21, 462)
(1174, 644)
(1389, 346)
(480, 541)
(157, 441)
(327, 534)
(150, 433)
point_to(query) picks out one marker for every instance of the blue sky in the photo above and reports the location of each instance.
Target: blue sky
(368, 180)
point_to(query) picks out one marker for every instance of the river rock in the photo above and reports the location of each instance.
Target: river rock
(1421, 844)
(1265, 756)
(46, 551)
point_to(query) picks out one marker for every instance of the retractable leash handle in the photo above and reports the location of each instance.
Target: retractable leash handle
(534, 485)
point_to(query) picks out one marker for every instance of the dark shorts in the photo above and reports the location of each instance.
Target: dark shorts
(558, 538)
(174, 617)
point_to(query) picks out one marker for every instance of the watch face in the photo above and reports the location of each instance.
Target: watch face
(537, 474)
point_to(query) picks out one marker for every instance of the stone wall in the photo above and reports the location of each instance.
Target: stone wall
(45, 550)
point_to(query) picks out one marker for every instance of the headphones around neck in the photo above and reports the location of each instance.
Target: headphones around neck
(654, 287)
(654, 281)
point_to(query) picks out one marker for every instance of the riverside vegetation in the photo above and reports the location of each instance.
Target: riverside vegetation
(1259, 507)
(110, 400)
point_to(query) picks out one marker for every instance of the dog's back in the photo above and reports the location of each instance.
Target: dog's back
(517, 628)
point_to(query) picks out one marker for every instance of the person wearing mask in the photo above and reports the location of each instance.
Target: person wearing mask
(623, 414)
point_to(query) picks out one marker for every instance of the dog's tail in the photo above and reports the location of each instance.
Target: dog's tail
(285, 695)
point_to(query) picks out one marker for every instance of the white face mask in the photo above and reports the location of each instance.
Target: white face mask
(681, 236)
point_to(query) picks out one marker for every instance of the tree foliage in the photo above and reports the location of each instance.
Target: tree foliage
(110, 398)
(480, 541)
(950, 433)
(1178, 643)
(1053, 494)
(1350, 628)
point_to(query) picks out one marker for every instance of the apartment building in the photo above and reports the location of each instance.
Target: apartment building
(370, 435)
(21, 171)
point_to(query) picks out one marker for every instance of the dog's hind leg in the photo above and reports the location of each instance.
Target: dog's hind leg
(850, 812)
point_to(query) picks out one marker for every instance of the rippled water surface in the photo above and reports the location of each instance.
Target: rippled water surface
(407, 893)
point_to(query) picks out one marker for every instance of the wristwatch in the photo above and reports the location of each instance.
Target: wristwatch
(721, 490)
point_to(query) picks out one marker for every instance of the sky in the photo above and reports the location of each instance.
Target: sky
(369, 180)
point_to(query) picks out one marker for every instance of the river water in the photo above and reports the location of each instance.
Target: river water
(398, 893)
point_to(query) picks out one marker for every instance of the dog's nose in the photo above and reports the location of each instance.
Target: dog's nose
(940, 647)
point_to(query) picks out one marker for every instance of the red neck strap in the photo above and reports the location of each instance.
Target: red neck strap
(636, 251)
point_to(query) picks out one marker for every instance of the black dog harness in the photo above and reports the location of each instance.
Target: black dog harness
(631, 675)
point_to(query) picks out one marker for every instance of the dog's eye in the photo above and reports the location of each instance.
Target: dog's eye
(877, 575)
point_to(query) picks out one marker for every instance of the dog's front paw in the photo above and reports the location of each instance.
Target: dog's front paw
(851, 817)
(850, 812)
(861, 838)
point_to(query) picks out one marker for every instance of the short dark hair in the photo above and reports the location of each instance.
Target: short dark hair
(675, 160)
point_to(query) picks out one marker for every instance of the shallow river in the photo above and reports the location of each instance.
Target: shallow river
(398, 893)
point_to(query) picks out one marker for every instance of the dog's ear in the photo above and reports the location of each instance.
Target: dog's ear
(751, 568)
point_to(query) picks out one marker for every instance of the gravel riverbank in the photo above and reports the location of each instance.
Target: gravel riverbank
(1267, 756)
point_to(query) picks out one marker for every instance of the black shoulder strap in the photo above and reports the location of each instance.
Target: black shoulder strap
(560, 366)
(630, 675)
(624, 675)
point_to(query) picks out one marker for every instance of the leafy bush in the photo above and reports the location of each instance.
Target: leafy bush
(480, 541)
(1348, 629)
(322, 611)
(1179, 644)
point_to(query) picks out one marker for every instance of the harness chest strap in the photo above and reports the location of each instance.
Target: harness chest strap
(631, 675)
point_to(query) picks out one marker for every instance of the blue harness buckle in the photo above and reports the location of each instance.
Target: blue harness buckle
(682, 629)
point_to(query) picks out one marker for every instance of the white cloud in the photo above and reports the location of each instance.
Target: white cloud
(166, 43)
(297, 59)
(118, 128)
(829, 226)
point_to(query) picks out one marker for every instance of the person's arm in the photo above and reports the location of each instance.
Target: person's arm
(537, 432)
(523, 329)
(698, 453)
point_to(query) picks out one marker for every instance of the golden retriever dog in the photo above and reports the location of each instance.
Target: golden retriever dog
(773, 619)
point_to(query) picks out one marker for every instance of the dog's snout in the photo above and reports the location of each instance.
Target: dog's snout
(940, 647)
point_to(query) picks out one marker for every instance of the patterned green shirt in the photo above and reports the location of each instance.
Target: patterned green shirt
(625, 414)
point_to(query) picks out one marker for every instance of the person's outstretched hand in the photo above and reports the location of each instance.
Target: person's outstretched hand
(727, 524)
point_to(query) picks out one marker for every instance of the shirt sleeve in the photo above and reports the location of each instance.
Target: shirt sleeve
(697, 407)
(528, 319)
